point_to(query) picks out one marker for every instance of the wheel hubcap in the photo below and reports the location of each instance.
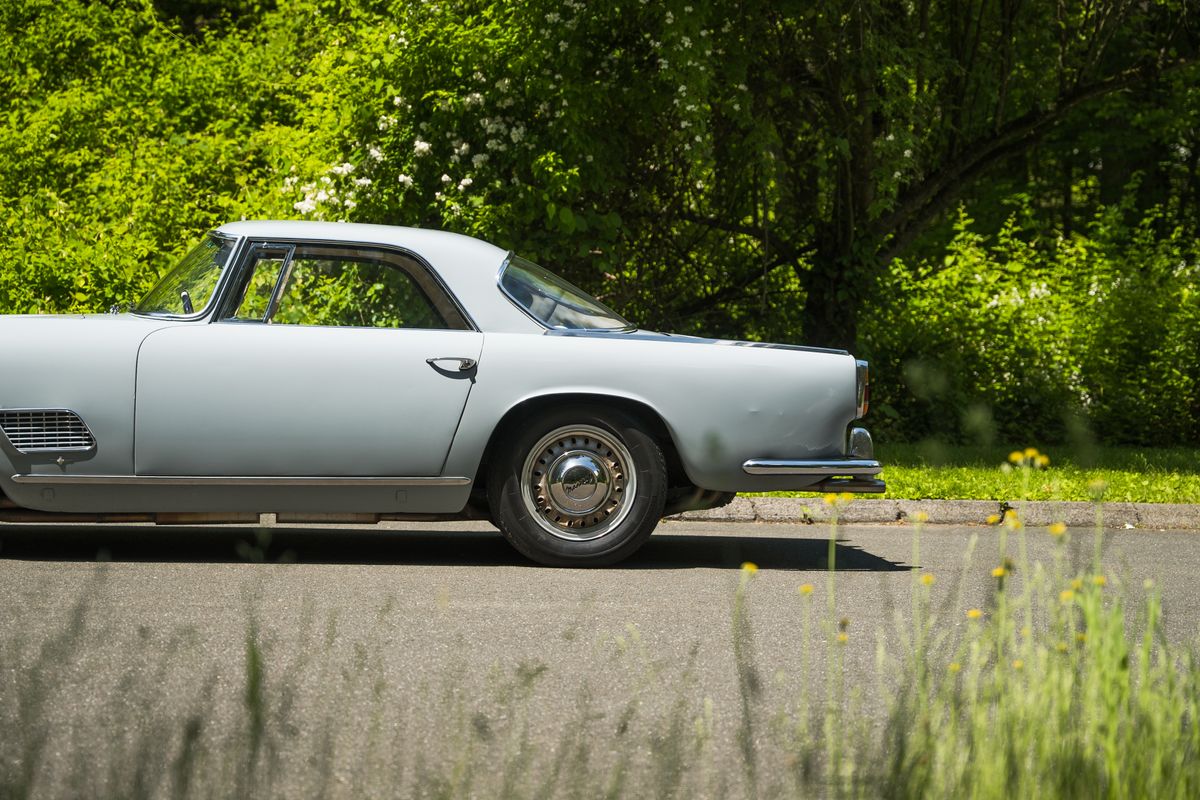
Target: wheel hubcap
(577, 482)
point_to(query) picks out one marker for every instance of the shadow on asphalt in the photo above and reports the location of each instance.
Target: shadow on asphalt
(432, 547)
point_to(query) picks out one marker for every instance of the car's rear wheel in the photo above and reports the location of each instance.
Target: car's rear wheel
(583, 486)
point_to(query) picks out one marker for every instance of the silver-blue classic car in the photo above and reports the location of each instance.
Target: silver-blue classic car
(338, 372)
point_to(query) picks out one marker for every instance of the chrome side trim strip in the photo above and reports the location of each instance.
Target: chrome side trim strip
(222, 480)
(831, 467)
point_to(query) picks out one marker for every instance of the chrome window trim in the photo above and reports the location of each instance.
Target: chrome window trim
(238, 480)
(248, 241)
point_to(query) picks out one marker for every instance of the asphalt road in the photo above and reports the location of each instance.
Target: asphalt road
(448, 623)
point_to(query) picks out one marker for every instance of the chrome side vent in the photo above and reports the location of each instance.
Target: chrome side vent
(42, 430)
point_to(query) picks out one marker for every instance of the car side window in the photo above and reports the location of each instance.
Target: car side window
(344, 287)
(266, 267)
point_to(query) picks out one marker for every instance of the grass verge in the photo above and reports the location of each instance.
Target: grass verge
(932, 471)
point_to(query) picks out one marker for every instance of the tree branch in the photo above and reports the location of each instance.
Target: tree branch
(918, 206)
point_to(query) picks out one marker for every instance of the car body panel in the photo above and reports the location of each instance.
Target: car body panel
(377, 407)
(783, 403)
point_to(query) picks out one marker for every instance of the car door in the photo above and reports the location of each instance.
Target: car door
(321, 360)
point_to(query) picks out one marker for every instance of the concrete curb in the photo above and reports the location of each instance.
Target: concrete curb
(808, 511)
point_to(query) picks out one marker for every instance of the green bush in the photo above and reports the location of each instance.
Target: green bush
(1029, 341)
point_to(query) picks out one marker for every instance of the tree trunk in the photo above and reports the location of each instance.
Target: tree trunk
(833, 290)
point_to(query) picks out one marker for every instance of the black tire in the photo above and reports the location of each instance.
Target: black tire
(581, 486)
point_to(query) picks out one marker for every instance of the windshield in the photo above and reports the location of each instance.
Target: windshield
(187, 289)
(552, 301)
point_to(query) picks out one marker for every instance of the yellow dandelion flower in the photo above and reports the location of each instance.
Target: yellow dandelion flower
(1043, 461)
(954, 666)
(749, 567)
(1026, 632)
(1081, 637)
(999, 572)
(845, 497)
(921, 516)
(1100, 580)
(1077, 584)
(1066, 596)
(1031, 452)
(842, 638)
(1018, 663)
(993, 519)
(1057, 529)
(1061, 647)
(829, 499)
(974, 613)
(805, 589)
(1016, 456)
(927, 580)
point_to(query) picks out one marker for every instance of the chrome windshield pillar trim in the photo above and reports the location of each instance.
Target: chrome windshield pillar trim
(240, 480)
(819, 468)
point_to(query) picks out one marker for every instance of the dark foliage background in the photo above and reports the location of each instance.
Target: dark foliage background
(996, 201)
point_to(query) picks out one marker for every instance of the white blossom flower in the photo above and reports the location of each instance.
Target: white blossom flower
(343, 169)
(446, 178)
(553, 17)
(908, 153)
(405, 180)
(421, 148)
(349, 203)
(362, 181)
(374, 153)
(473, 99)
(479, 159)
(464, 183)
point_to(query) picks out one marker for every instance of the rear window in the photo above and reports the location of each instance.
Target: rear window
(553, 301)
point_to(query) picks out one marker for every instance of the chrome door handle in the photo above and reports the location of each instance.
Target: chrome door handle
(451, 362)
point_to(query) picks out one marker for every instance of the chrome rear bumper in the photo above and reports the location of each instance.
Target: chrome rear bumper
(852, 473)
(824, 468)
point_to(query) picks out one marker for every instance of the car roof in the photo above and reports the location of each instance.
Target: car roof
(469, 267)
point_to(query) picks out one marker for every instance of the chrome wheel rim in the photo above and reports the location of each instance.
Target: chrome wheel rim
(578, 482)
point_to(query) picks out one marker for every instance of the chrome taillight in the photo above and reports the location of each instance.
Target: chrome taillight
(864, 388)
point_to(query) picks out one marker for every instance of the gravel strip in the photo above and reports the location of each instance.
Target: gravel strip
(806, 510)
